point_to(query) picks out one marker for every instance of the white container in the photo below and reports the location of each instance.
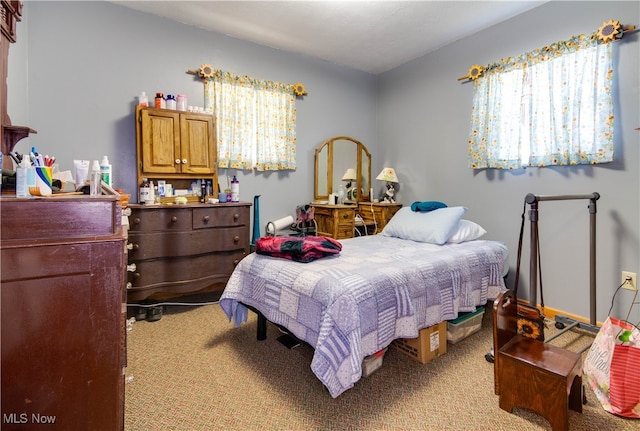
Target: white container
(181, 102)
(143, 100)
(171, 102)
(106, 171)
(235, 190)
(95, 180)
(22, 189)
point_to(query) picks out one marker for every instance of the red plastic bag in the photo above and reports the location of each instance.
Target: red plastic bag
(611, 368)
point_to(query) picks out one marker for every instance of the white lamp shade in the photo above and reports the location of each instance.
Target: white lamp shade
(350, 175)
(389, 175)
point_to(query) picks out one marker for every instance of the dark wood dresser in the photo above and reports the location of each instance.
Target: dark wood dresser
(183, 249)
(63, 313)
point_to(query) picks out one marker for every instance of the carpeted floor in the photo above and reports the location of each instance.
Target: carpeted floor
(192, 370)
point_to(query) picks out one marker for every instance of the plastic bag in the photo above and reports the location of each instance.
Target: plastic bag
(611, 368)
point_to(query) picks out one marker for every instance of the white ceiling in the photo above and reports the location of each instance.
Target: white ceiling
(371, 36)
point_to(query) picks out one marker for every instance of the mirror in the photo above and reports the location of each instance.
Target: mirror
(343, 157)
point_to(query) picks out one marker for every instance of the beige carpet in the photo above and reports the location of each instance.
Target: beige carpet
(193, 370)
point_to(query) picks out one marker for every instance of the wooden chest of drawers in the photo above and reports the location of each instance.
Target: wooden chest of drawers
(376, 215)
(183, 249)
(335, 221)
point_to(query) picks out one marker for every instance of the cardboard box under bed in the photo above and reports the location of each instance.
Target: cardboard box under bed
(431, 343)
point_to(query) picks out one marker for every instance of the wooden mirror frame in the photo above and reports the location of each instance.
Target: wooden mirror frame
(325, 166)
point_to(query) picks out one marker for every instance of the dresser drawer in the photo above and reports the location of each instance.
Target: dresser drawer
(207, 268)
(220, 216)
(160, 219)
(174, 244)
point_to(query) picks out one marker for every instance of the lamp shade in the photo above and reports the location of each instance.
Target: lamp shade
(388, 174)
(350, 175)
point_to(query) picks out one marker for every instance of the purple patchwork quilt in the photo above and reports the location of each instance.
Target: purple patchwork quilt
(353, 304)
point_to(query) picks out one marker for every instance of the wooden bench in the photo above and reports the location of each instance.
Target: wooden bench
(531, 374)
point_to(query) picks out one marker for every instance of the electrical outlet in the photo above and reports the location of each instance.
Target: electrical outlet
(629, 280)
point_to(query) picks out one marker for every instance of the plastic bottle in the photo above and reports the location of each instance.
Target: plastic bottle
(209, 189)
(145, 193)
(105, 171)
(95, 183)
(22, 189)
(341, 194)
(159, 100)
(171, 102)
(181, 102)
(143, 100)
(235, 190)
(203, 191)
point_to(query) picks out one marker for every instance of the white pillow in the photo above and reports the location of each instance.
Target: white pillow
(434, 227)
(467, 231)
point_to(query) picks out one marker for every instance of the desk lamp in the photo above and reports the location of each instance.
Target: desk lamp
(388, 175)
(350, 176)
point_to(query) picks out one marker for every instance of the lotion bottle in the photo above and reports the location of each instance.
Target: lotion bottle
(95, 183)
(106, 171)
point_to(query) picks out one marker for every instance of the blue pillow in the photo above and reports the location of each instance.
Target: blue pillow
(435, 227)
(427, 206)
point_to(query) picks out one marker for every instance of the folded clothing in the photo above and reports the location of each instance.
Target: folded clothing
(427, 206)
(300, 249)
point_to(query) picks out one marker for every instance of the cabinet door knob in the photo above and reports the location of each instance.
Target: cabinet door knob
(177, 161)
(184, 161)
(131, 268)
(205, 219)
(174, 219)
(236, 239)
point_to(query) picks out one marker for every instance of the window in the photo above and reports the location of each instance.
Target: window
(551, 106)
(255, 122)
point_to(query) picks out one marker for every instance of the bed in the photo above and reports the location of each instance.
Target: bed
(376, 289)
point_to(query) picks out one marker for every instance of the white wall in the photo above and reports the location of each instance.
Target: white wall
(424, 114)
(78, 66)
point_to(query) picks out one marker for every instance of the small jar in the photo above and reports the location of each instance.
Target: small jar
(159, 100)
(181, 102)
(171, 102)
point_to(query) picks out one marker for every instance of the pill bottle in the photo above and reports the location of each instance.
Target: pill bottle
(171, 102)
(143, 100)
(181, 102)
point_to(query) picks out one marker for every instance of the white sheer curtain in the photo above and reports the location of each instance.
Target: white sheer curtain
(551, 106)
(255, 122)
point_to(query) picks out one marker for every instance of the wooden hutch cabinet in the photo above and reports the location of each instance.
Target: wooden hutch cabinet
(63, 313)
(175, 144)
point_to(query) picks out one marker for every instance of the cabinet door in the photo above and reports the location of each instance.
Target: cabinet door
(198, 144)
(160, 146)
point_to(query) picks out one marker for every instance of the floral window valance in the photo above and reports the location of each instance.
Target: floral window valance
(255, 120)
(549, 106)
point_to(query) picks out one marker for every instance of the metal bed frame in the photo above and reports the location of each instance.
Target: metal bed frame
(564, 323)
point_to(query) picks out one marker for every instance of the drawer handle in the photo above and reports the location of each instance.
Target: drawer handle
(136, 275)
(236, 262)
(136, 220)
(131, 268)
(205, 219)
(174, 219)
(129, 285)
(236, 239)
(236, 217)
(345, 216)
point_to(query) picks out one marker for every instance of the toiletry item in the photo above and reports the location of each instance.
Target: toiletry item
(81, 172)
(95, 180)
(209, 189)
(144, 192)
(105, 171)
(171, 102)
(159, 100)
(235, 190)
(181, 102)
(341, 194)
(162, 188)
(143, 100)
(203, 191)
(22, 190)
(152, 195)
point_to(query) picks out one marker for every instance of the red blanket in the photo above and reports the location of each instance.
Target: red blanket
(300, 249)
